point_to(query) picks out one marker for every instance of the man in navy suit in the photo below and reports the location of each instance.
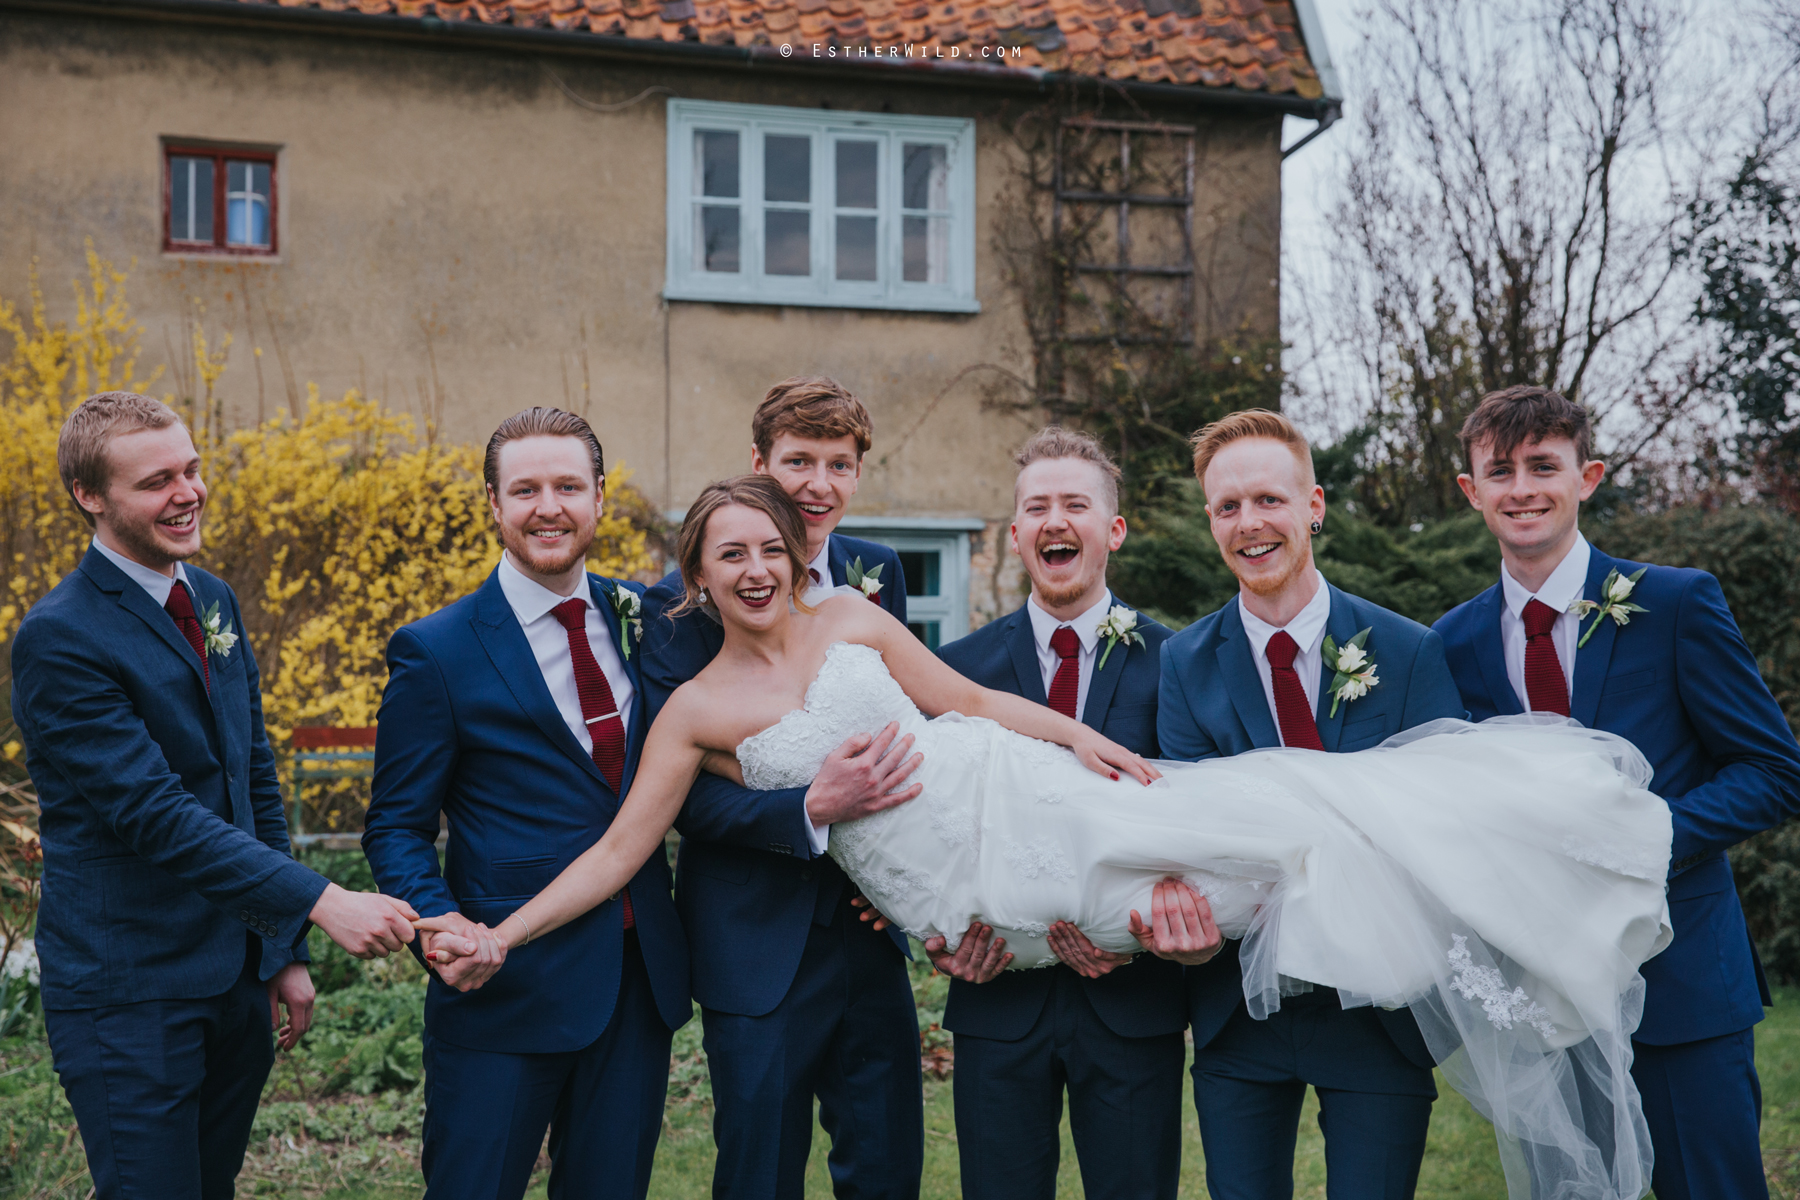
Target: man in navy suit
(173, 923)
(1105, 1026)
(1680, 684)
(800, 999)
(518, 713)
(1254, 675)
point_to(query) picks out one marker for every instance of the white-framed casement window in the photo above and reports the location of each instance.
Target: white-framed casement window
(934, 557)
(773, 205)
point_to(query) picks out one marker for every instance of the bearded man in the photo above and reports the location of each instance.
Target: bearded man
(1255, 675)
(518, 713)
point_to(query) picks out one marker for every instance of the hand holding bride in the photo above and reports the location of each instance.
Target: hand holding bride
(978, 958)
(1181, 925)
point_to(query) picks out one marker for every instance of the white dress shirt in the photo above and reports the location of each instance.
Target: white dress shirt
(1087, 632)
(531, 602)
(822, 564)
(150, 579)
(1308, 631)
(1562, 589)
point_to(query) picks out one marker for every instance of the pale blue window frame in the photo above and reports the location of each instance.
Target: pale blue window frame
(687, 278)
(946, 538)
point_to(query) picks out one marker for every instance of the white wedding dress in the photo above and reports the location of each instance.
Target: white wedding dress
(1504, 880)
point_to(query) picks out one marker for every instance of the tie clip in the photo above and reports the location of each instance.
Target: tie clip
(602, 717)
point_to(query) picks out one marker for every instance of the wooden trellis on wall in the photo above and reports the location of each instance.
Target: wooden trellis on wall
(1127, 280)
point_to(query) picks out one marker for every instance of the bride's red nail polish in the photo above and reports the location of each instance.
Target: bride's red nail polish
(1115, 775)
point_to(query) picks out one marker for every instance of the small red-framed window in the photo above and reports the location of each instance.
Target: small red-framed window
(219, 201)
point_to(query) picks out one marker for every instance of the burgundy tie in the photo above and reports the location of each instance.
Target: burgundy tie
(181, 606)
(1546, 687)
(606, 725)
(814, 575)
(1292, 711)
(1065, 686)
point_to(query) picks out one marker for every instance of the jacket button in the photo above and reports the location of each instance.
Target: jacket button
(244, 915)
(806, 875)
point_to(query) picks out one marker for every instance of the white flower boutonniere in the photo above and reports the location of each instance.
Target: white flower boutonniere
(1355, 673)
(219, 637)
(1615, 591)
(628, 607)
(868, 581)
(1120, 625)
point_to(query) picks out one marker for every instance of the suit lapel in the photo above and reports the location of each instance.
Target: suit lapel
(838, 560)
(1340, 624)
(135, 600)
(1105, 682)
(498, 631)
(1021, 646)
(603, 591)
(1593, 659)
(1490, 653)
(1242, 683)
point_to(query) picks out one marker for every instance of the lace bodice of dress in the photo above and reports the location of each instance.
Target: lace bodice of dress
(853, 693)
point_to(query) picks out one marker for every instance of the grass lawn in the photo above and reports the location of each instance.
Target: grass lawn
(340, 1118)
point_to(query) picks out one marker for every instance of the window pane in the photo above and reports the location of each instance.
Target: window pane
(246, 220)
(925, 631)
(927, 177)
(787, 242)
(925, 252)
(246, 203)
(716, 165)
(921, 570)
(856, 248)
(856, 177)
(787, 170)
(716, 239)
(191, 199)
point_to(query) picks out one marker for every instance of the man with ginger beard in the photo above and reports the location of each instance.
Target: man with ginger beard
(518, 713)
(1252, 676)
(1103, 1025)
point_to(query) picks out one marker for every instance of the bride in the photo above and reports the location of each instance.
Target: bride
(1504, 881)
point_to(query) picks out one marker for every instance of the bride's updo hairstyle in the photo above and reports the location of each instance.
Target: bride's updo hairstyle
(749, 491)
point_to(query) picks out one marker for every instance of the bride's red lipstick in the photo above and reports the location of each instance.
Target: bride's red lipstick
(761, 602)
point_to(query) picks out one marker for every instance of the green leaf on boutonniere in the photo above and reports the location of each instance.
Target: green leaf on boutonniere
(1354, 672)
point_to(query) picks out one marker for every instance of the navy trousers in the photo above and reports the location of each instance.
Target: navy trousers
(1250, 1082)
(165, 1090)
(485, 1113)
(847, 1032)
(1124, 1106)
(1703, 1103)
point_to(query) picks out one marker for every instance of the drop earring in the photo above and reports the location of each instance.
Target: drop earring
(703, 595)
(1318, 527)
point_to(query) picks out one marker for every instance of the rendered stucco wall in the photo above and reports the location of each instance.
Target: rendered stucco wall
(459, 237)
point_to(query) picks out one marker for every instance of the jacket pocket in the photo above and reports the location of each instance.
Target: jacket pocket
(523, 876)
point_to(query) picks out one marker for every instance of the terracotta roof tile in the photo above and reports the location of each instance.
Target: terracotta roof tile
(1252, 45)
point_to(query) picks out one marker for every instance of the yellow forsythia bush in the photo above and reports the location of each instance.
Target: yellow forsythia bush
(335, 525)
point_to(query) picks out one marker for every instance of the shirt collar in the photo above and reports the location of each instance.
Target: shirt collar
(530, 599)
(1307, 628)
(822, 564)
(153, 581)
(1562, 589)
(1086, 624)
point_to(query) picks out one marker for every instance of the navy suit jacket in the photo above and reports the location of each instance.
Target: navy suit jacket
(1145, 997)
(748, 885)
(1213, 705)
(468, 729)
(1680, 684)
(163, 833)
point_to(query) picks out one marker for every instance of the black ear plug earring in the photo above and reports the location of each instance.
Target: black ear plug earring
(1318, 526)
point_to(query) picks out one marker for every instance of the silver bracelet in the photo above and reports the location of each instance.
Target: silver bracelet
(521, 920)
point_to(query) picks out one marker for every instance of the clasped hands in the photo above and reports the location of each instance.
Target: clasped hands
(1180, 929)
